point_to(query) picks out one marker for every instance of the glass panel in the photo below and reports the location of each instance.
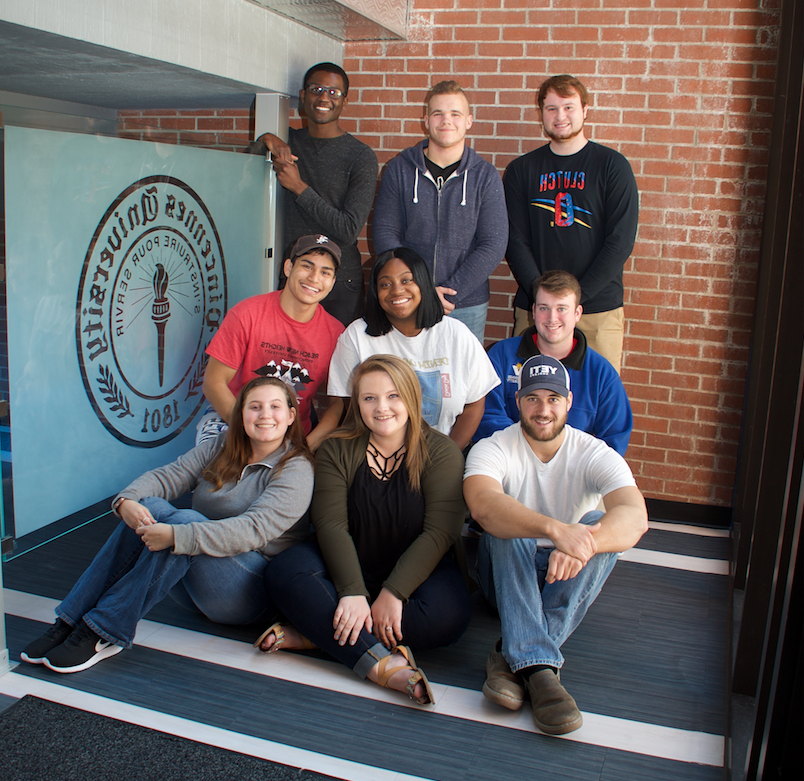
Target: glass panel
(122, 258)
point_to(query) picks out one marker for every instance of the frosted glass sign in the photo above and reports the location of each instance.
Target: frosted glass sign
(122, 259)
(151, 296)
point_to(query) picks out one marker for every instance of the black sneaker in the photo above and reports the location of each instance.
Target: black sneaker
(36, 651)
(80, 650)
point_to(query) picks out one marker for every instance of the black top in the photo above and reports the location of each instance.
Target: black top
(384, 520)
(440, 174)
(577, 213)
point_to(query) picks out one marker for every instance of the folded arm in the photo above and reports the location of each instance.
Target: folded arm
(504, 517)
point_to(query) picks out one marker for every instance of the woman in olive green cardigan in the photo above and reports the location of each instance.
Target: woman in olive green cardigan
(387, 509)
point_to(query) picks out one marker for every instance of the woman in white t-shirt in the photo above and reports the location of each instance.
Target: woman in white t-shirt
(405, 317)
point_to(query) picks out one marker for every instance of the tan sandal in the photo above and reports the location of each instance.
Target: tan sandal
(384, 675)
(278, 630)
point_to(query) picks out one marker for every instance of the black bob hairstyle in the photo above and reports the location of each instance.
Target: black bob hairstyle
(430, 309)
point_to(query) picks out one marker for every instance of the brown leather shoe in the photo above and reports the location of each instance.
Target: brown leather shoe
(554, 710)
(502, 686)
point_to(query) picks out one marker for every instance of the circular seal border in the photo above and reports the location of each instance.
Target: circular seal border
(197, 380)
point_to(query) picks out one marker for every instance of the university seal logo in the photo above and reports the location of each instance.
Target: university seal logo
(151, 297)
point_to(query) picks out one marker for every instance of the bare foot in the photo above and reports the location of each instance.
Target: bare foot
(398, 681)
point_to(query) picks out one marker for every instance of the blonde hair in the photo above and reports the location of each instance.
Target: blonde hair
(450, 87)
(407, 384)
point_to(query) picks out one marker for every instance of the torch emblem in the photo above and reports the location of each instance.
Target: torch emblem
(160, 312)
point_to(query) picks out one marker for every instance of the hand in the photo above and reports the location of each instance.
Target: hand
(351, 615)
(287, 174)
(386, 613)
(277, 147)
(576, 539)
(157, 536)
(562, 567)
(446, 291)
(134, 514)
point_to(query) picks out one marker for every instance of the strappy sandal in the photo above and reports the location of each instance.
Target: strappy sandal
(278, 630)
(417, 674)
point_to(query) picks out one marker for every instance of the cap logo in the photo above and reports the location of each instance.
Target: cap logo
(541, 371)
(322, 239)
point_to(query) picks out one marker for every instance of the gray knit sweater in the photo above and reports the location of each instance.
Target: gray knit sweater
(262, 511)
(342, 176)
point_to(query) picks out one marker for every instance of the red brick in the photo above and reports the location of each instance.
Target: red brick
(678, 34)
(526, 34)
(454, 49)
(177, 123)
(477, 65)
(453, 17)
(476, 33)
(731, 35)
(623, 68)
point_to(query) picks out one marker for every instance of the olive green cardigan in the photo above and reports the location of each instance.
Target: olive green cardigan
(337, 462)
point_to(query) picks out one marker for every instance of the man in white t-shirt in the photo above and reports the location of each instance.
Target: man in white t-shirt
(546, 552)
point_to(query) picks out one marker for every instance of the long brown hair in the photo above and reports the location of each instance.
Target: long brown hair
(406, 382)
(236, 453)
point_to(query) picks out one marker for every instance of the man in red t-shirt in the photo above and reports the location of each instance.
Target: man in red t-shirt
(284, 334)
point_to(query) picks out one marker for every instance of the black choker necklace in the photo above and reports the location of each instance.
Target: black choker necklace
(386, 465)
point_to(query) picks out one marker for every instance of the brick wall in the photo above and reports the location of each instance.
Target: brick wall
(226, 129)
(683, 88)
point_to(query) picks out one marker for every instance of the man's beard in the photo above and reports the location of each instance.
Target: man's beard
(557, 137)
(542, 434)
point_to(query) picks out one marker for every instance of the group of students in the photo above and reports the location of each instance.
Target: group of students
(385, 569)
(379, 472)
(570, 204)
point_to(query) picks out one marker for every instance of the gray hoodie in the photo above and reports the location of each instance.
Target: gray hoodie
(459, 228)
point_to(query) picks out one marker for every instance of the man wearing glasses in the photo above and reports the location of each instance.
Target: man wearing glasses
(330, 178)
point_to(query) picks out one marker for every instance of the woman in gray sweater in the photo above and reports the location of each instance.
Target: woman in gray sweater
(251, 491)
(388, 510)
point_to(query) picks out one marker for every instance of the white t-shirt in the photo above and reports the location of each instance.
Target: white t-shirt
(567, 487)
(452, 366)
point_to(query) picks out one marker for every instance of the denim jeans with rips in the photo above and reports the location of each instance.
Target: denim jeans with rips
(537, 617)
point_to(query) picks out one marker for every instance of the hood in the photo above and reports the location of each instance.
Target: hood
(415, 156)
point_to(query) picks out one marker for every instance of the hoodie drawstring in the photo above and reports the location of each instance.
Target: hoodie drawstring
(416, 186)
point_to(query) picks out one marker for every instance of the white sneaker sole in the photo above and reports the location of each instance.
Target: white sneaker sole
(104, 653)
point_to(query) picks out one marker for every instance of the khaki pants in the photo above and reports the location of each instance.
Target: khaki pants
(603, 332)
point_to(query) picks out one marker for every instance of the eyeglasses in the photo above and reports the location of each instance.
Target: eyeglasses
(317, 89)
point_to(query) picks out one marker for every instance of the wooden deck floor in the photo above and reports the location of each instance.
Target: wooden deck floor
(647, 668)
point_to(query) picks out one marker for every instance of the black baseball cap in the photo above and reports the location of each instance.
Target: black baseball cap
(316, 241)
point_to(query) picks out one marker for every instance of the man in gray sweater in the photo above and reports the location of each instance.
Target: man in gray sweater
(330, 178)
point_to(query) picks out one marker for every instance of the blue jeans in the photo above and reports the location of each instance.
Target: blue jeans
(474, 318)
(436, 614)
(537, 617)
(125, 580)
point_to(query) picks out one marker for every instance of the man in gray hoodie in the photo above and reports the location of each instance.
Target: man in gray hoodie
(443, 200)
